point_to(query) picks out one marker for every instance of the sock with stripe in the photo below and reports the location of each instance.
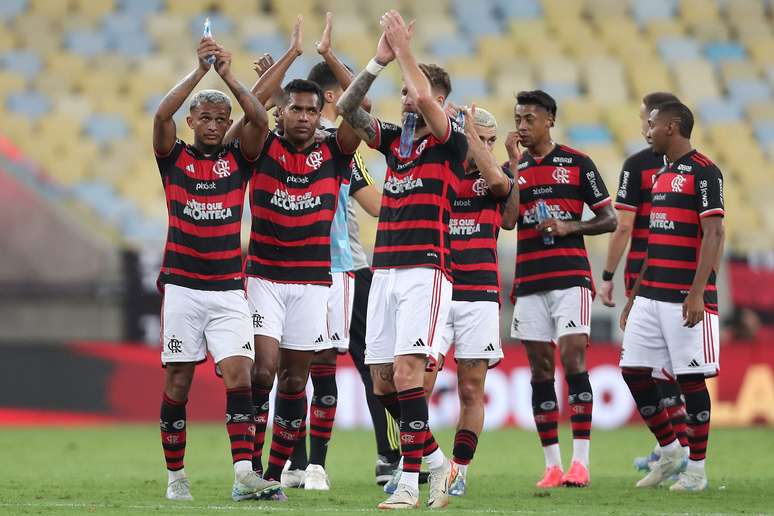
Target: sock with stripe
(322, 411)
(546, 413)
(289, 413)
(432, 453)
(646, 396)
(173, 432)
(581, 401)
(240, 425)
(391, 404)
(698, 408)
(413, 430)
(673, 402)
(298, 459)
(261, 408)
(465, 442)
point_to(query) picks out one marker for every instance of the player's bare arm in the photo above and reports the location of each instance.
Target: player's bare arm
(711, 245)
(604, 221)
(633, 294)
(164, 130)
(619, 240)
(369, 199)
(513, 148)
(499, 184)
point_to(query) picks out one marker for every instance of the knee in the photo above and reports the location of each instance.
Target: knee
(573, 360)
(178, 384)
(291, 381)
(263, 376)
(471, 393)
(541, 368)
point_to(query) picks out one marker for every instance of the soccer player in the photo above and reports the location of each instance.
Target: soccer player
(204, 306)
(411, 291)
(633, 210)
(671, 321)
(473, 326)
(553, 285)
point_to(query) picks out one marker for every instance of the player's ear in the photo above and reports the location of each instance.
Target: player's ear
(330, 98)
(189, 120)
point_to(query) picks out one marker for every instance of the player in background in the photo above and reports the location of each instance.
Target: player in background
(204, 307)
(553, 286)
(633, 210)
(671, 321)
(410, 295)
(486, 200)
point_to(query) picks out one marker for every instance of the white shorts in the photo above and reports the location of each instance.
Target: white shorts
(292, 313)
(194, 322)
(656, 338)
(473, 328)
(341, 299)
(407, 310)
(547, 316)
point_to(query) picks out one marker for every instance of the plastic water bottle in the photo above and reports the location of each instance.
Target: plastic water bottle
(460, 119)
(407, 135)
(207, 33)
(543, 214)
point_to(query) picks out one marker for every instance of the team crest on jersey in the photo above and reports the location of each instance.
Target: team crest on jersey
(677, 184)
(222, 168)
(480, 187)
(421, 147)
(561, 175)
(314, 160)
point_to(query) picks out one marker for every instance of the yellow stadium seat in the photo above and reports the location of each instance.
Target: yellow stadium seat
(698, 10)
(579, 111)
(695, 81)
(563, 9)
(731, 70)
(658, 29)
(239, 8)
(75, 106)
(17, 128)
(188, 7)
(48, 8)
(706, 31)
(167, 26)
(557, 69)
(762, 52)
(600, 10)
(11, 82)
(93, 8)
(66, 64)
(605, 80)
(248, 25)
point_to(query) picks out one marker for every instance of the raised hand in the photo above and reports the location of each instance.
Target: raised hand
(384, 53)
(324, 44)
(397, 32)
(263, 64)
(207, 47)
(222, 61)
(512, 147)
(296, 37)
(452, 110)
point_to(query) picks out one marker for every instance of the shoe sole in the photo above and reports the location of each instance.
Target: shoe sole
(575, 484)
(385, 507)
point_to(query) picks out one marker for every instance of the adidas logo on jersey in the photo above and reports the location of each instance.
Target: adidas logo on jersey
(571, 324)
(694, 363)
(490, 347)
(319, 340)
(190, 168)
(419, 343)
(247, 346)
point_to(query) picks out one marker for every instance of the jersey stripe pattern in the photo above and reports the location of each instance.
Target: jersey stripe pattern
(419, 191)
(634, 185)
(565, 179)
(293, 199)
(690, 189)
(204, 196)
(474, 226)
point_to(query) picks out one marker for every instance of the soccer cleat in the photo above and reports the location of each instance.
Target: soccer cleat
(440, 479)
(384, 469)
(643, 463)
(392, 484)
(457, 487)
(273, 496)
(291, 478)
(250, 485)
(404, 497)
(576, 476)
(690, 480)
(315, 478)
(666, 466)
(179, 489)
(551, 478)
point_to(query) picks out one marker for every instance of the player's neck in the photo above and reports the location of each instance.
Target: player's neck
(678, 149)
(207, 150)
(421, 132)
(542, 149)
(300, 144)
(329, 113)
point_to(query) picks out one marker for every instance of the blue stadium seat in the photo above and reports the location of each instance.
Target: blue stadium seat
(674, 50)
(132, 44)
(31, 104)
(87, 43)
(468, 89)
(24, 62)
(140, 7)
(719, 111)
(719, 51)
(764, 132)
(645, 11)
(589, 134)
(10, 9)
(451, 46)
(561, 90)
(519, 9)
(274, 44)
(106, 128)
(122, 23)
(746, 91)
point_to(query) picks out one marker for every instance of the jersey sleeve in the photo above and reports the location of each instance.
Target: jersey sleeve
(360, 176)
(709, 192)
(343, 159)
(455, 141)
(166, 162)
(594, 189)
(244, 164)
(386, 134)
(629, 195)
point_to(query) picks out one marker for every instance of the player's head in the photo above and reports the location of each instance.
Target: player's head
(322, 74)
(301, 110)
(534, 114)
(650, 102)
(668, 123)
(440, 87)
(209, 117)
(486, 127)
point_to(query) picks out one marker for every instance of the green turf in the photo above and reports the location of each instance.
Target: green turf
(119, 470)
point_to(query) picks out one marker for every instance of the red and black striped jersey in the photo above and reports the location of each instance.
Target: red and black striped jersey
(565, 179)
(205, 196)
(413, 229)
(634, 185)
(293, 198)
(688, 190)
(474, 226)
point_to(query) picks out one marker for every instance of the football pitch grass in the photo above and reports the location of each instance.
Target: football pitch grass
(119, 470)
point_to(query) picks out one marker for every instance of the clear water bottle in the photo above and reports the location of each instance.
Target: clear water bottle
(460, 119)
(207, 33)
(543, 213)
(407, 135)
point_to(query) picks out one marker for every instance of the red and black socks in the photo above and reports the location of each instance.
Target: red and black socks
(289, 413)
(172, 424)
(646, 396)
(545, 410)
(581, 401)
(240, 425)
(322, 411)
(261, 408)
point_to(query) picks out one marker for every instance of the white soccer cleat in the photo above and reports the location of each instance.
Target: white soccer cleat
(458, 485)
(316, 479)
(291, 478)
(404, 497)
(667, 465)
(392, 485)
(179, 489)
(690, 480)
(250, 485)
(440, 479)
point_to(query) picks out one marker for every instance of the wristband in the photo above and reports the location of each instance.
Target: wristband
(607, 276)
(373, 67)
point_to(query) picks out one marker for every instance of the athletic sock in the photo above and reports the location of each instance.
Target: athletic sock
(172, 424)
(581, 401)
(391, 404)
(465, 442)
(698, 409)
(646, 396)
(672, 401)
(298, 459)
(413, 430)
(240, 425)
(322, 412)
(432, 453)
(289, 412)
(261, 408)
(546, 413)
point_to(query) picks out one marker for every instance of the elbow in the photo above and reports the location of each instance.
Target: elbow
(500, 187)
(612, 224)
(508, 225)
(623, 229)
(425, 100)
(366, 105)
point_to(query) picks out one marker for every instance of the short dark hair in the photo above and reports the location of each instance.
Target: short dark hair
(656, 98)
(303, 86)
(537, 98)
(681, 112)
(438, 78)
(322, 74)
